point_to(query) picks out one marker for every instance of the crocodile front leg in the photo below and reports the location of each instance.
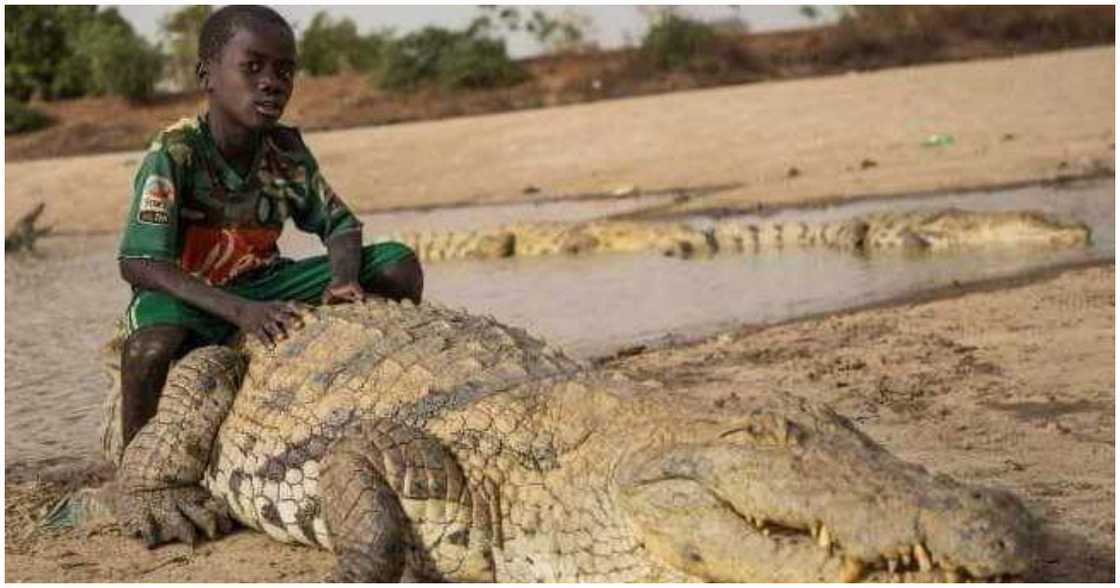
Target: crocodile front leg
(365, 519)
(394, 497)
(161, 499)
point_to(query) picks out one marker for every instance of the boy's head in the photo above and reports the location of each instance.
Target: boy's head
(246, 65)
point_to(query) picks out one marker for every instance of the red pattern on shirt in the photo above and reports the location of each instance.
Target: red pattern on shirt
(218, 254)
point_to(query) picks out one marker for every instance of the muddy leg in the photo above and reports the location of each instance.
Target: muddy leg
(364, 517)
(145, 359)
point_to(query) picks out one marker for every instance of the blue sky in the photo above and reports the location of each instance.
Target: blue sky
(613, 25)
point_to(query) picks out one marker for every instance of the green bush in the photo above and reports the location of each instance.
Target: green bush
(34, 43)
(452, 59)
(20, 118)
(72, 78)
(674, 42)
(125, 66)
(328, 47)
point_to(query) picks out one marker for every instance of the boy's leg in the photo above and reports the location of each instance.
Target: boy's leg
(398, 280)
(161, 329)
(145, 358)
(389, 269)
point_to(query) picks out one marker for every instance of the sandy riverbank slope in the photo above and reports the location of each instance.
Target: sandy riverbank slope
(1030, 118)
(1010, 388)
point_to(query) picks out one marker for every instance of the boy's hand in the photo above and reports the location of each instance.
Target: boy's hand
(270, 321)
(342, 293)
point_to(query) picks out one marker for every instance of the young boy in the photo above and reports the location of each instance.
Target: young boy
(209, 202)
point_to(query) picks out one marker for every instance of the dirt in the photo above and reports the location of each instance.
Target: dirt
(1027, 119)
(1008, 387)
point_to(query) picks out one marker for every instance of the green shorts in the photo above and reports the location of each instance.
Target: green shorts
(301, 281)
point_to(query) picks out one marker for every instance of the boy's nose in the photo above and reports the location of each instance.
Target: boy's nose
(271, 83)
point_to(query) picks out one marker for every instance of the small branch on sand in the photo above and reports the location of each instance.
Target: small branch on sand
(24, 234)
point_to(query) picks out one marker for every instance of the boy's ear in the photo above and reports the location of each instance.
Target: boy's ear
(202, 74)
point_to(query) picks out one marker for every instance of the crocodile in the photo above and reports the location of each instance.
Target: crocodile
(448, 446)
(921, 230)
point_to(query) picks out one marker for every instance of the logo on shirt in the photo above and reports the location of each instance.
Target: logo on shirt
(155, 201)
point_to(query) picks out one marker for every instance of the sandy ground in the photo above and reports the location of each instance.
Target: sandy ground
(1026, 119)
(1009, 388)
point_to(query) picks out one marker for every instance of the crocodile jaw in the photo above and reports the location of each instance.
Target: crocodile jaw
(803, 496)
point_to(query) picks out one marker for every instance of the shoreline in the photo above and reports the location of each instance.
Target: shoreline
(943, 293)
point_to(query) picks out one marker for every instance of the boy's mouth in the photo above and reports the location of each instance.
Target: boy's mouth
(269, 108)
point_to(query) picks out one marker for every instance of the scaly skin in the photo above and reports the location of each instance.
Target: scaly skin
(916, 231)
(414, 437)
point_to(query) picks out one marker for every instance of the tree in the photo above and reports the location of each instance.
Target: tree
(69, 51)
(35, 42)
(327, 47)
(181, 29)
(467, 59)
(121, 62)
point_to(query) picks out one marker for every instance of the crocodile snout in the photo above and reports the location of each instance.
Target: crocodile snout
(802, 495)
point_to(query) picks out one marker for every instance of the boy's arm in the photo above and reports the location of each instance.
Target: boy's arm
(345, 253)
(269, 321)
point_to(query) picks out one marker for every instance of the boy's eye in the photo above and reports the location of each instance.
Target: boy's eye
(253, 67)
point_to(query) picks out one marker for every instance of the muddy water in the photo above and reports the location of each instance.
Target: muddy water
(62, 307)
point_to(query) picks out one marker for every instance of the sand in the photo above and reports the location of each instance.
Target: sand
(1012, 120)
(1011, 385)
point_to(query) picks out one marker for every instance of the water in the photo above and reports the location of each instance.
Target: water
(61, 308)
(594, 307)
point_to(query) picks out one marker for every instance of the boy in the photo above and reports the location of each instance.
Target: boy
(209, 203)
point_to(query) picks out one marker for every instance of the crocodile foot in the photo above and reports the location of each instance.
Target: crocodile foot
(170, 514)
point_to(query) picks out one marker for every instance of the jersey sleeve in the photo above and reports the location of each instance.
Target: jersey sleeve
(152, 228)
(323, 212)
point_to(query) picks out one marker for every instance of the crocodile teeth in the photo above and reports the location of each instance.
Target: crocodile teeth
(892, 565)
(824, 539)
(815, 529)
(853, 570)
(952, 576)
(922, 556)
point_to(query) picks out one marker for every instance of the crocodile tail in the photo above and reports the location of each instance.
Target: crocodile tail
(443, 245)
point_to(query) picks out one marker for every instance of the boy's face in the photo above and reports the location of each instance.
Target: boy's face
(250, 82)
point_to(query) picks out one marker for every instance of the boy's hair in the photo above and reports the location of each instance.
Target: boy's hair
(222, 25)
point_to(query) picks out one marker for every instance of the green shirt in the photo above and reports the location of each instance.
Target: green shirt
(191, 208)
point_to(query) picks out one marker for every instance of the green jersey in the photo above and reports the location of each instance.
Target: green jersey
(191, 208)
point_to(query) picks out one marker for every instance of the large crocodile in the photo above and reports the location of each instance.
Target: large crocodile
(418, 437)
(921, 230)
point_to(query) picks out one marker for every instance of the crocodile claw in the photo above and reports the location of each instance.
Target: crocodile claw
(174, 514)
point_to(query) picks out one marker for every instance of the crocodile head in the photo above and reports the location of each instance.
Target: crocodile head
(953, 227)
(793, 492)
